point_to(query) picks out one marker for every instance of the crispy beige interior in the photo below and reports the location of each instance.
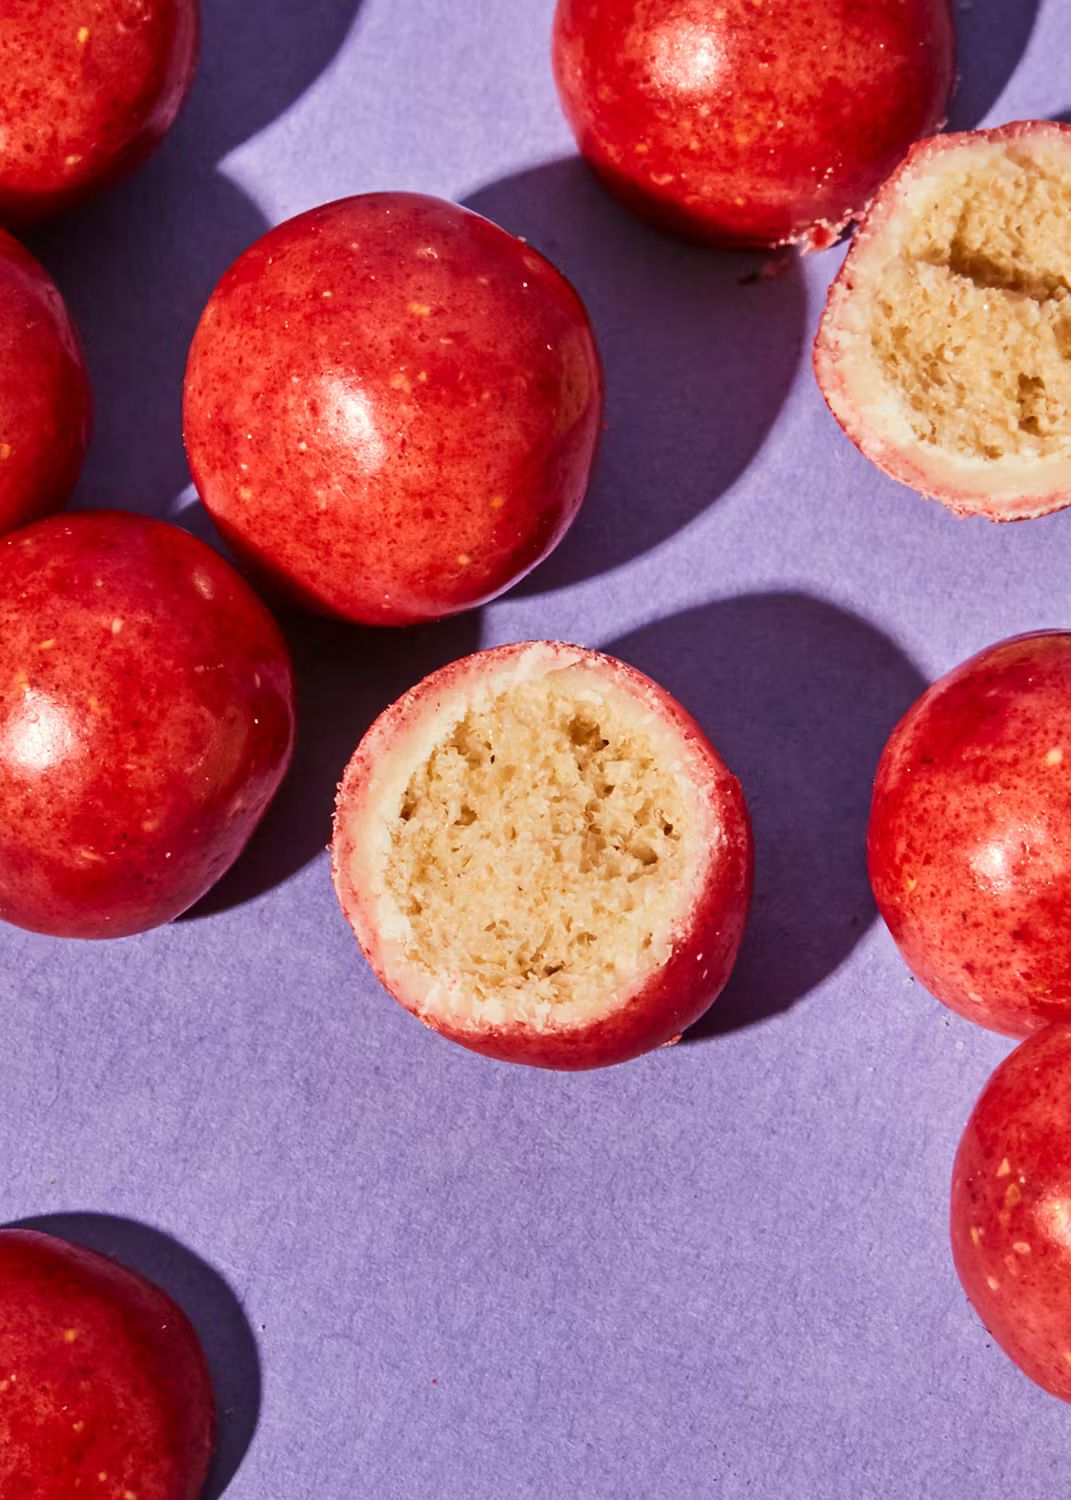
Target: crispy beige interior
(541, 853)
(970, 322)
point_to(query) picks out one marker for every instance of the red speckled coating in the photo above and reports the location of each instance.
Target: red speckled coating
(913, 464)
(104, 1390)
(1011, 1208)
(90, 87)
(146, 720)
(392, 408)
(969, 842)
(675, 996)
(751, 122)
(45, 402)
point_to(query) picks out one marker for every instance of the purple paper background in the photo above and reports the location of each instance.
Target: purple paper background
(721, 1270)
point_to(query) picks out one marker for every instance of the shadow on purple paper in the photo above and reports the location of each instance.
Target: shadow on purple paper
(799, 696)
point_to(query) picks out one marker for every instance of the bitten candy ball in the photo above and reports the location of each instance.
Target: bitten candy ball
(544, 858)
(943, 348)
(751, 122)
(392, 408)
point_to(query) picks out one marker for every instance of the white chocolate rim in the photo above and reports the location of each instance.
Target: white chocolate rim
(405, 736)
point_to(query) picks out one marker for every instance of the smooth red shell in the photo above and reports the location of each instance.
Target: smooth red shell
(89, 90)
(146, 721)
(392, 408)
(104, 1389)
(1011, 1208)
(751, 122)
(969, 843)
(675, 996)
(45, 401)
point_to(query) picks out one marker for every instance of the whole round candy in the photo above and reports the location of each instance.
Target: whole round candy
(969, 843)
(146, 721)
(751, 122)
(1011, 1208)
(392, 408)
(104, 1388)
(45, 401)
(89, 88)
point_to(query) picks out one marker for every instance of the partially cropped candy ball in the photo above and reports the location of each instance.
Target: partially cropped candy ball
(969, 842)
(1011, 1208)
(89, 88)
(45, 402)
(942, 351)
(146, 720)
(751, 122)
(104, 1388)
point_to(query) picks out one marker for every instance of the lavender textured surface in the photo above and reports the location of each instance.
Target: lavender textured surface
(721, 1270)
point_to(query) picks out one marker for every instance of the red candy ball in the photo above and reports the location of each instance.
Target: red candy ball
(45, 401)
(969, 842)
(146, 721)
(104, 1389)
(751, 122)
(90, 87)
(392, 408)
(1011, 1208)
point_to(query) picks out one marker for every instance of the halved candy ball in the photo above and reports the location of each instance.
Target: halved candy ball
(751, 122)
(943, 351)
(544, 858)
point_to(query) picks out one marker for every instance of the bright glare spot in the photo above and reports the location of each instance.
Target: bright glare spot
(686, 58)
(38, 735)
(990, 863)
(352, 415)
(999, 861)
(1054, 1216)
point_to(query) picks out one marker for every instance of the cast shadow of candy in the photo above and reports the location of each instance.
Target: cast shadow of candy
(699, 350)
(208, 1302)
(799, 696)
(138, 265)
(346, 676)
(991, 37)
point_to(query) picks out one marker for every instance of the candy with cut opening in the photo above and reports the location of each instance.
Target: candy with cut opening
(544, 858)
(943, 351)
